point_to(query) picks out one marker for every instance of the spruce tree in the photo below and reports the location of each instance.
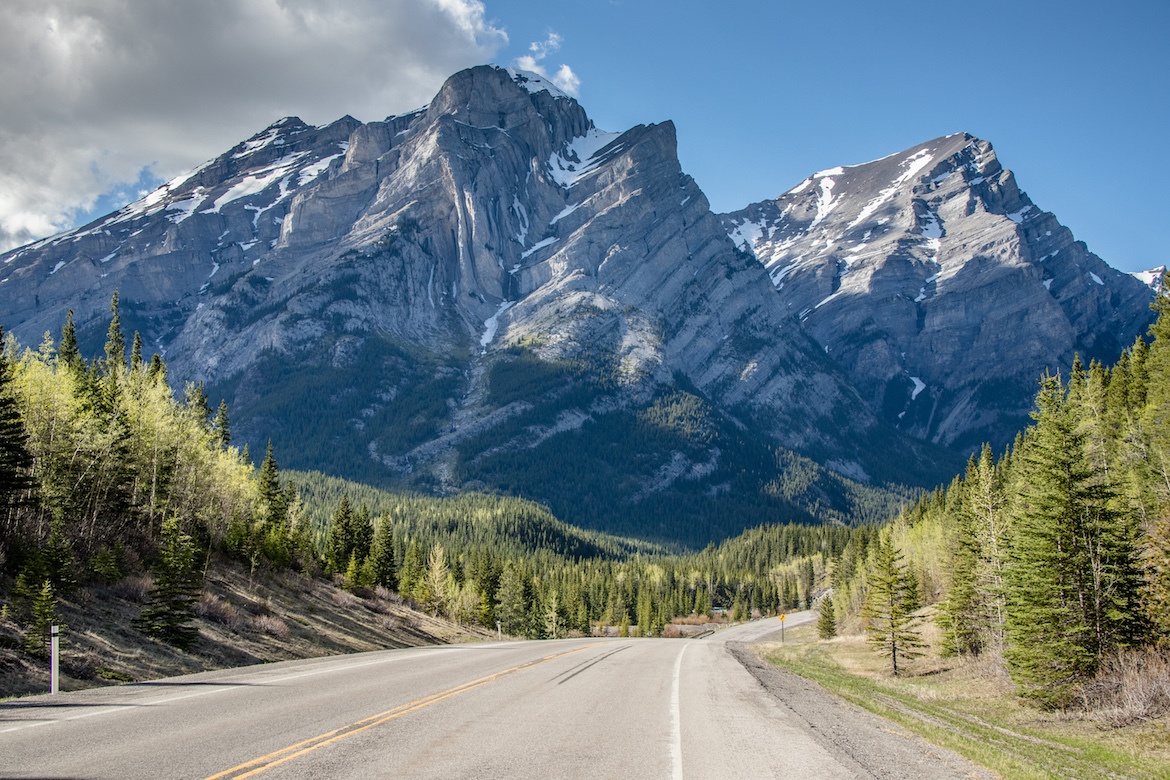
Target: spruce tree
(58, 558)
(827, 622)
(68, 352)
(341, 537)
(44, 616)
(382, 556)
(1072, 577)
(890, 603)
(177, 585)
(115, 340)
(412, 570)
(136, 354)
(222, 426)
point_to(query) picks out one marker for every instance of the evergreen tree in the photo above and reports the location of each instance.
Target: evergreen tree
(68, 353)
(382, 556)
(511, 604)
(412, 570)
(115, 340)
(1072, 577)
(157, 370)
(44, 616)
(177, 585)
(341, 535)
(58, 559)
(827, 622)
(15, 459)
(960, 614)
(196, 398)
(222, 427)
(890, 603)
(136, 354)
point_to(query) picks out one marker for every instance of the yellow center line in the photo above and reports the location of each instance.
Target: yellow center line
(278, 757)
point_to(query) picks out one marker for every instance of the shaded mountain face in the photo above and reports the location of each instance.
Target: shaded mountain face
(939, 288)
(492, 293)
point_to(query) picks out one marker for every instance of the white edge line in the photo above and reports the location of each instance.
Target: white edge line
(227, 688)
(675, 721)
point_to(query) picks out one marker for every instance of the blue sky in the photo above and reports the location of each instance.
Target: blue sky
(108, 99)
(1075, 96)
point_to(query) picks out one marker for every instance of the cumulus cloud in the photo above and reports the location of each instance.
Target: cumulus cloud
(103, 95)
(565, 79)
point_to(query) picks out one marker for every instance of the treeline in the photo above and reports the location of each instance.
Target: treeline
(482, 559)
(104, 473)
(1056, 554)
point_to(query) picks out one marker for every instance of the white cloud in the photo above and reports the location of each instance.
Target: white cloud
(565, 79)
(542, 49)
(98, 90)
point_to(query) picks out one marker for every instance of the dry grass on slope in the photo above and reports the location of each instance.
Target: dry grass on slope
(242, 620)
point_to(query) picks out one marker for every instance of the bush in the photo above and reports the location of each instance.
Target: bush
(1130, 685)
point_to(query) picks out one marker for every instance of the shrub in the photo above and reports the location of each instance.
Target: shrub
(1131, 685)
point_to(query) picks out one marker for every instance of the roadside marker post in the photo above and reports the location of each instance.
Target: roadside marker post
(782, 618)
(54, 658)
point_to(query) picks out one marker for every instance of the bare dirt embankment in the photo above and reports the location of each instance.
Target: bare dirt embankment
(241, 619)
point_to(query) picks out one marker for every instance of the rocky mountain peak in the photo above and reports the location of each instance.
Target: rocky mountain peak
(937, 284)
(490, 292)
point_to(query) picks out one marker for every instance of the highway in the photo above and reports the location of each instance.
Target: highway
(578, 708)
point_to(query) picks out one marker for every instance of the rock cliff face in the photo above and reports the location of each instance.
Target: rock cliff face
(939, 287)
(491, 292)
(439, 296)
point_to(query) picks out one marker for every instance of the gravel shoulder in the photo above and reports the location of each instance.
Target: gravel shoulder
(870, 746)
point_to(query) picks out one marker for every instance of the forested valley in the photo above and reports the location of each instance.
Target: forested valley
(1052, 559)
(105, 474)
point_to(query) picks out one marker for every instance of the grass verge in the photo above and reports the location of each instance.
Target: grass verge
(966, 707)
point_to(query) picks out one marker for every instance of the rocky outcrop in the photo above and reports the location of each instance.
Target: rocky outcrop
(939, 287)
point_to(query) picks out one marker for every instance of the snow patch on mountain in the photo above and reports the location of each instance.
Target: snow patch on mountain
(580, 157)
(913, 164)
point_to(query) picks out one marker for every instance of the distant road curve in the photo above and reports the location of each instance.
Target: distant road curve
(577, 708)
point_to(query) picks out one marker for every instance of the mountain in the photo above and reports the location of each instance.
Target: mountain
(492, 293)
(938, 286)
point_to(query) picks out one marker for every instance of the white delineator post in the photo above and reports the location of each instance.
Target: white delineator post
(54, 657)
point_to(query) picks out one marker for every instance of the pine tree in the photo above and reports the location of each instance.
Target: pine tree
(827, 622)
(890, 603)
(177, 585)
(196, 399)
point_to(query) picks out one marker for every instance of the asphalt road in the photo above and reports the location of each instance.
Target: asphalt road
(579, 708)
